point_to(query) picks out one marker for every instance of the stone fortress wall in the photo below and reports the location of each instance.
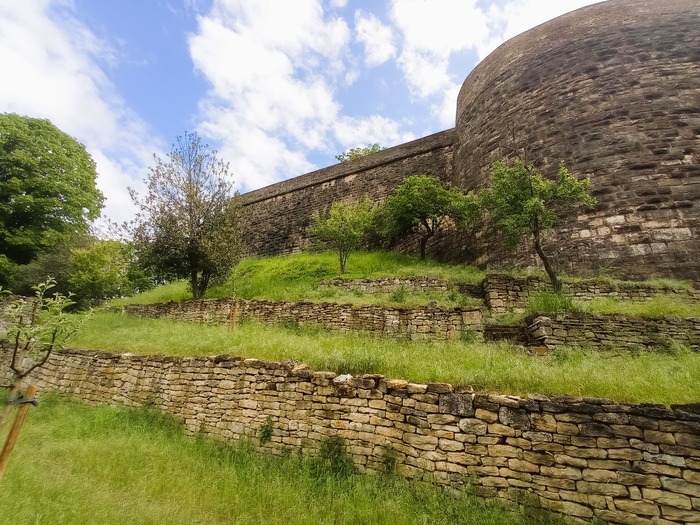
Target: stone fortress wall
(587, 458)
(612, 90)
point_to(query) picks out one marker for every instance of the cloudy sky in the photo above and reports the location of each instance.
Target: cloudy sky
(279, 87)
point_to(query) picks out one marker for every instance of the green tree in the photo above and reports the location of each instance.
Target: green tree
(190, 220)
(423, 205)
(35, 327)
(343, 228)
(356, 153)
(47, 187)
(103, 271)
(519, 201)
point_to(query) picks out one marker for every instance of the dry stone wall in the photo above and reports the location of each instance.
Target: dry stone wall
(413, 285)
(504, 293)
(582, 330)
(587, 458)
(415, 323)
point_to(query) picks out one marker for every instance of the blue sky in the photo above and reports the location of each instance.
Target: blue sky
(279, 87)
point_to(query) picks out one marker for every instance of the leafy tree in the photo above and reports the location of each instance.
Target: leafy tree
(356, 153)
(103, 271)
(343, 228)
(47, 187)
(519, 201)
(35, 328)
(423, 205)
(190, 220)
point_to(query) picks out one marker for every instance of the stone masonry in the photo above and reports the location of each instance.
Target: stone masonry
(415, 323)
(586, 458)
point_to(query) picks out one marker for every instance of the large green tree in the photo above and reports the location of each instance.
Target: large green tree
(190, 220)
(47, 187)
(522, 202)
(343, 227)
(423, 205)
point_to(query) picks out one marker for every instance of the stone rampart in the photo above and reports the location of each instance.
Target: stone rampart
(609, 89)
(583, 330)
(278, 215)
(588, 458)
(415, 323)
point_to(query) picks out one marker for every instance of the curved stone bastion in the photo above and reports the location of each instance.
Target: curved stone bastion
(612, 90)
(587, 458)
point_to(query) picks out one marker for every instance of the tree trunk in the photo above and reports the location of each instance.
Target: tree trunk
(7, 407)
(194, 283)
(556, 284)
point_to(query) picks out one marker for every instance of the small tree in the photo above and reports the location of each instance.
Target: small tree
(356, 153)
(519, 201)
(190, 221)
(423, 205)
(35, 328)
(343, 228)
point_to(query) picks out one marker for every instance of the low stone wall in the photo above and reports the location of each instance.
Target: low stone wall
(415, 323)
(621, 463)
(504, 293)
(611, 331)
(414, 285)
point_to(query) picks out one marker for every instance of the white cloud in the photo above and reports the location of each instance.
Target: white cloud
(274, 68)
(377, 38)
(354, 132)
(55, 75)
(434, 31)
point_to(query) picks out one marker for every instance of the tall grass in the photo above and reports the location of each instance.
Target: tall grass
(297, 277)
(625, 376)
(113, 465)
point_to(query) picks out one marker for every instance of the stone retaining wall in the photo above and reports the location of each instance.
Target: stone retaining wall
(588, 458)
(504, 293)
(611, 331)
(414, 285)
(416, 323)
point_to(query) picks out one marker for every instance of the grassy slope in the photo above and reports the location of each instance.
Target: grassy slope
(77, 465)
(642, 377)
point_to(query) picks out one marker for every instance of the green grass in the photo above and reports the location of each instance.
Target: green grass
(654, 307)
(297, 278)
(657, 377)
(112, 465)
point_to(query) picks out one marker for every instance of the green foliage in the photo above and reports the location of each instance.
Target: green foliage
(399, 295)
(47, 187)
(103, 271)
(265, 431)
(35, 328)
(343, 228)
(189, 223)
(297, 277)
(423, 205)
(333, 459)
(658, 306)
(519, 201)
(113, 465)
(389, 460)
(624, 376)
(549, 301)
(356, 153)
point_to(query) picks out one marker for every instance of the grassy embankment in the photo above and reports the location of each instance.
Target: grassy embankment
(76, 465)
(669, 376)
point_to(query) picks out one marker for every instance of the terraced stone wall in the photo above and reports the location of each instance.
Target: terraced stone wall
(504, 293)
(415, 323)
(620, 463)
(584, 330)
